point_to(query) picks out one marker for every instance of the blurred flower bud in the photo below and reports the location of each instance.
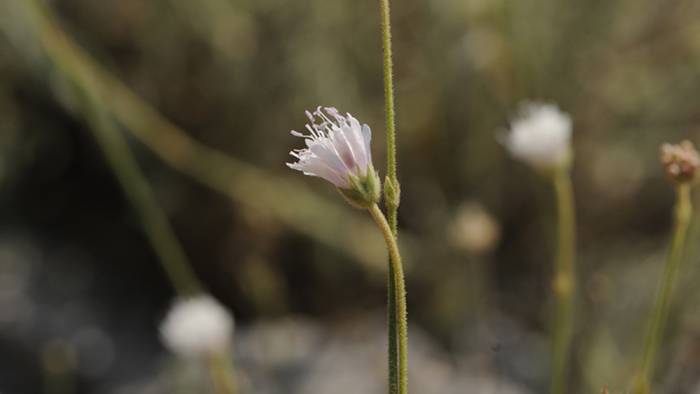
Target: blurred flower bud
(197, 327)
(680, 161)
(474, 230)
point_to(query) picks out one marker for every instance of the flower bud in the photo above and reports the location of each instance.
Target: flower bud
(364, 190)
(680, 161)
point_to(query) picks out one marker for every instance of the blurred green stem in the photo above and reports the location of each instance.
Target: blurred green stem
(683, 213)
(126, 169)
(564, 283)
(401, 321)
(222, 376)
(155, 222)
(391, 191)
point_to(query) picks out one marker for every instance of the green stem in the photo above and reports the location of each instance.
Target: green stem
(564, 283)
(392, 340)
(683, 213)
(222, 377)
(388, 95)
(400, 297)
(391, 188)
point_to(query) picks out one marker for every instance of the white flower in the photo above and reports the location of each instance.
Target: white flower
(197, 327)
(338, 150)
(540, 135)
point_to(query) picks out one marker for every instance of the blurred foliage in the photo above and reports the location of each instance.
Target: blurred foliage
(206, 92)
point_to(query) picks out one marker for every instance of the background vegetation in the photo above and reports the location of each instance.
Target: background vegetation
(205, 93)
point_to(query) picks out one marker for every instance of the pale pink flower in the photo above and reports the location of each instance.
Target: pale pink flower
(337, 148)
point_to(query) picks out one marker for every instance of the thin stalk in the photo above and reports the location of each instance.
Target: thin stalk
(564, 280)
(391, 190)
(388, 68)
(392, 340)
(222, 377)
(400, 299)
(662, 305)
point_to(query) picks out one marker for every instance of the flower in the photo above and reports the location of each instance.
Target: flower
(338, 150)
(680, 161)
(197, 327)
(540, 135)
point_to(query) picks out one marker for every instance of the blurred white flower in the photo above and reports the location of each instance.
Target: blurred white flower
(196, 327)
(540, 135)
(335, 149)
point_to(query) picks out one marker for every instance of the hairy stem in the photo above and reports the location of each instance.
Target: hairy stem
(389, 97)
(662, 305)
(400, 296)
(391, 189)
(564, 283)
(392, 340)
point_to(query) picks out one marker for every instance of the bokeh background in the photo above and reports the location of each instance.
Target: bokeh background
(198, 97)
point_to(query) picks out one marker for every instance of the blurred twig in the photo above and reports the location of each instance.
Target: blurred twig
(269, 196)
(564, 281)
(125, 167)
(664, 296)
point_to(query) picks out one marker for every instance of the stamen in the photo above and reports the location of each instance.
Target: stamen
(324, 117)
(314, 133)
